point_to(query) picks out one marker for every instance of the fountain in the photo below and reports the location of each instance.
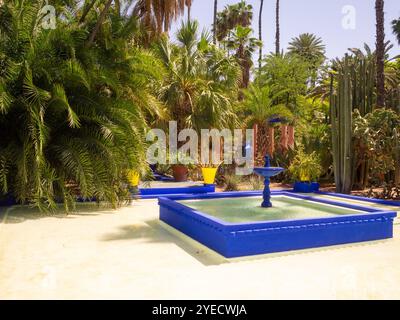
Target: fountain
(267, 172)
(235, 225)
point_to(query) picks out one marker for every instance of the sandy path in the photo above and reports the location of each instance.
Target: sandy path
(128, 255)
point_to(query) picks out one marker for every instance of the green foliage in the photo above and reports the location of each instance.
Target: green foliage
(232, 183)
(310, 48)
(396, 28)
(235, 34)
(377, 140)
(305, 167)
(258, 106)
(240, 14)
(313, 131)
(200, 87)
(256, 183)
(341, 104)
(244, 45)
(353, 89)
(73, 118)
(285, 73)
(158, 15)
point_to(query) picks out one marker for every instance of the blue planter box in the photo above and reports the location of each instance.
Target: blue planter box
(7, 201)
(306, 187)
(155, 193)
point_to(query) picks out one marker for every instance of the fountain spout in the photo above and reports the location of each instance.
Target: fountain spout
(267, 162)
(267, 172)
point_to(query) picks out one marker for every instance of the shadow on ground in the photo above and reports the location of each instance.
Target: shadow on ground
(154, 232)
(19, 214)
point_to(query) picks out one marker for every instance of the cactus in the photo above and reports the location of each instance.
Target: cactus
(363, 78)
(396, 136)
(341, 103)
(353, 86)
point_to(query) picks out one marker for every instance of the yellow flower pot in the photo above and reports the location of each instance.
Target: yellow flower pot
(133, 178)
(209, 175)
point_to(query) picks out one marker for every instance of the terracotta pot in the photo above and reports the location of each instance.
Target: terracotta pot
(180, 173)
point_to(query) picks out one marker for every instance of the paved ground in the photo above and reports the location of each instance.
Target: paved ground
(128, 255)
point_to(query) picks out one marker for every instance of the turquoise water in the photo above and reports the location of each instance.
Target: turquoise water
(242, 210)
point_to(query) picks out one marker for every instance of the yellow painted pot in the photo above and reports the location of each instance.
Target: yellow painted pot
(209, 175)
(133, 178)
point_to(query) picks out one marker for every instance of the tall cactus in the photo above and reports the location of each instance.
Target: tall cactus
(396, 135)
(363, 78)
(341, 101)
(353, 86)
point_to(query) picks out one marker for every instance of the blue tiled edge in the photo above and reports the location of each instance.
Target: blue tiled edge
(371, 200)
(154, 193)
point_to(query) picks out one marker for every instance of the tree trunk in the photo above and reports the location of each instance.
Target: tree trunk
(117, 4)
(284, 143)
(99, 23)
(278, 32)
(215, 21)
(397, 175)
(291, 138)
(380, 52)
(397, 158)
(271, 141)
(255, 144)
(262, 143)
(86, 10)
(260, 34)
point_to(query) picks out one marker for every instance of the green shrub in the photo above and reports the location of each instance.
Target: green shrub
(256, 183)
(232, 183)
(305, 167)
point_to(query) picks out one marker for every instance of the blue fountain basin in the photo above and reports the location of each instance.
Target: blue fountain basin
(233, 224)
(268, 172)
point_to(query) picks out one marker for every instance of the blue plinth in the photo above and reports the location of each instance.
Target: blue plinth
(306, 187)
(155, 193)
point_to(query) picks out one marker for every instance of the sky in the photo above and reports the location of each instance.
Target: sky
(321, 17)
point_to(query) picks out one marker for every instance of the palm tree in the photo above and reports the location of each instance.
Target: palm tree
(245, 45)
(215, 31)
(188, 4)
(286, 74)
(311, 49)
(240, 14)
(87, 6)
(278, 34)
(259, 109)
(201, 83)
(82, 116)
(260, 34)
(99, 22)
(396, 29)
(233, 25)
(158, 15)
(380, 52)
